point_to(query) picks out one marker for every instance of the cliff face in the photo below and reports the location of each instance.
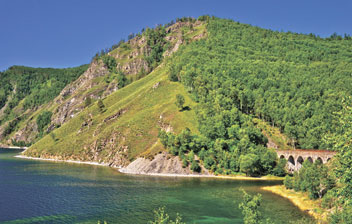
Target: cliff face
(127, 126)
(130, 59)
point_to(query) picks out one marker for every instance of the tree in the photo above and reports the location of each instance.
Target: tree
(280, 168)
(161, 217)
(180, 100)
(250, 208)
(249, 164)
(110, 62)
(341, 142)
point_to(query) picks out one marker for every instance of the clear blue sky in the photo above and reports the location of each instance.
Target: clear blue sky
(66, 33)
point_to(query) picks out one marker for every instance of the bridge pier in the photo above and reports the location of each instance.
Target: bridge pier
(295, 158)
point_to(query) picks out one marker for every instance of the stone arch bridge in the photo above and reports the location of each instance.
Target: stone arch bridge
(295, 158)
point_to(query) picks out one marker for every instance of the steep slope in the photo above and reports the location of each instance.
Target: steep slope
(130, 60)
(235, 74)
(126, 128)
(24, 92)
(121, 123)
(292, 81)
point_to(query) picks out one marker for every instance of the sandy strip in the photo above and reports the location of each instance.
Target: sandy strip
(238, 177)
(302, 201)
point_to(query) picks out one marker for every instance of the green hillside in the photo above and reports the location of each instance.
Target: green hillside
(26, 89)
(292, 81)
(143, 107)
(242, 84)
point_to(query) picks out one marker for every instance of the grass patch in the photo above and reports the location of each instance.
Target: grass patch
(136, 129)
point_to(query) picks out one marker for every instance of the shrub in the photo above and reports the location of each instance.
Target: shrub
(288, 182)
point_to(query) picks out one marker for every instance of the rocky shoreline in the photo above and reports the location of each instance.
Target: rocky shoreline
(124, 170)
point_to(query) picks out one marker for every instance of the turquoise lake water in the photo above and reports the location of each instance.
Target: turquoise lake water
(34, 191)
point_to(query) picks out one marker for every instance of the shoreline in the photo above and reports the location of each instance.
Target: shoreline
(300, 200)
(13, 147)
(121, 170)
(66, 161)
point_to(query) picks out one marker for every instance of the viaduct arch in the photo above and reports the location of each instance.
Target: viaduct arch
(295, 158)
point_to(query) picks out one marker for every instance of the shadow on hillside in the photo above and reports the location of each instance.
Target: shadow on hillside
(186, 108)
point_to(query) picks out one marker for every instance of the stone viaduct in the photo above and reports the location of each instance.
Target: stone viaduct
(295, 158)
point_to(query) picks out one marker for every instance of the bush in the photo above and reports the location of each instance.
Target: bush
(180, 101)
(161, 217)
(110, 62)
(195, 166)
(288, 182)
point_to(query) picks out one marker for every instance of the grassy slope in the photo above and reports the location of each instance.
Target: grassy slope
(137, 127)
(274, 134)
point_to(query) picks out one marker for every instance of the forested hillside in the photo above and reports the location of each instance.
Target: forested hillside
(200, 90)
(233, 73)
(24, 89)
(293, 81)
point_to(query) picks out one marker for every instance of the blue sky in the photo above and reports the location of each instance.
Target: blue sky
(66, 33)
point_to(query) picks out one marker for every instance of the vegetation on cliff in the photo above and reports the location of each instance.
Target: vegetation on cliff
(292, 81)
(109, 71)
(237, 81)
(26, 89)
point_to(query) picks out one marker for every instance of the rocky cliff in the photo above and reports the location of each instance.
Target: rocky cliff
(127, 126)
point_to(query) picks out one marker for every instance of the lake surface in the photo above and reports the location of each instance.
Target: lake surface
(33, 191)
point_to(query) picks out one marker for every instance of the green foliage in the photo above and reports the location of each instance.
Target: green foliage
(11, 126)
(36, 85)
(288, 182)
(280, 168)
(161, 217)
(110, 62)
(341, 142)
(249, 164)
(290, 80)
(20, 143)
(180, 101)
(341, 216)
(43, 120)
(250, 208)
(156, 43)
(173, 76)
(121, 80)
(119, 76)
(313, 178)
(195, 166)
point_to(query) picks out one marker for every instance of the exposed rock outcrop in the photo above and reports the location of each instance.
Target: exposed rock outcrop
(162, 163)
